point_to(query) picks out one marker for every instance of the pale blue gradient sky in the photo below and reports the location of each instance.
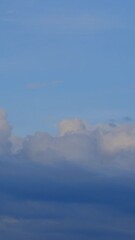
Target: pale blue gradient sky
(66, 59)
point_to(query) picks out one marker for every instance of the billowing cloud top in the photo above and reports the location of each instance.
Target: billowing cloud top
(102, 145)
(70, 186)
(68, 126)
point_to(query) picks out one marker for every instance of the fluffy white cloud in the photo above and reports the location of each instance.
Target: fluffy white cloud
(119, 138)
(100, 145)
(5, 132)
(72, 125)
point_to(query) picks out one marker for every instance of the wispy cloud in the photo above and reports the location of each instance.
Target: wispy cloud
(41, 85)
(36, 85)
(85, 21)
(69, 22)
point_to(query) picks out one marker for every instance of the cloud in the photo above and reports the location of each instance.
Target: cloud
(72, 125)
(103, 145)
(121, 138)
(5, 132)
(83, 21)
(62, 21)
(38, 85)
(71, 186)
(127, 119)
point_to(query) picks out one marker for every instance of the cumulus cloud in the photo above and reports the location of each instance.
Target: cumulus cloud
(97, 145)
(120, 138)
(93, 145)
(5, 132)
(70, 186)
(72, 125)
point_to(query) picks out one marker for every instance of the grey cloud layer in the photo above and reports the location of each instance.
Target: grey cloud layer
(71, 186)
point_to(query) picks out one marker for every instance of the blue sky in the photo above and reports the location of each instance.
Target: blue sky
(77, 56)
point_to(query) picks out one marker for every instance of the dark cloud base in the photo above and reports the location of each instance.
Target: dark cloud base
(38, 202)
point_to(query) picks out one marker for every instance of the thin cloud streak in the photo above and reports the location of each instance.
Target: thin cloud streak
(82, 22)
(38, 85)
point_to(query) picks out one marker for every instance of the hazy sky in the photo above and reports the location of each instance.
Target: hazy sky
(67, 120)
(66, 59)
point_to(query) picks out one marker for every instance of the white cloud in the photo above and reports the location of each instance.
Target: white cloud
(5, 132)
(119, 138)
(4, 125)
(97, 145)
(72, 125)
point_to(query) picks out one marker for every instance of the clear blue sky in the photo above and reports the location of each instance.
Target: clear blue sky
(66, 59)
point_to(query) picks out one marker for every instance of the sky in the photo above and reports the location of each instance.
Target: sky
(68, 59)
(67, 119)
